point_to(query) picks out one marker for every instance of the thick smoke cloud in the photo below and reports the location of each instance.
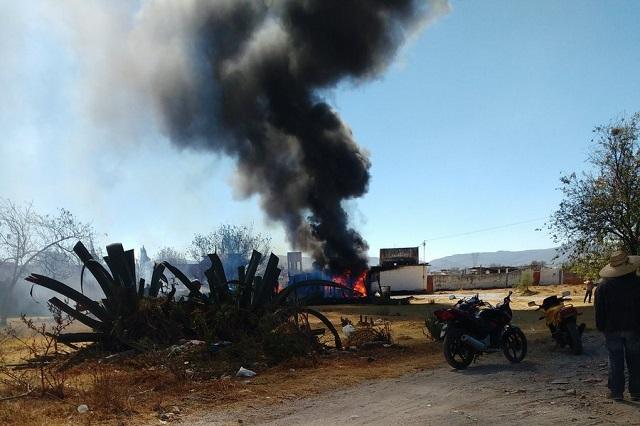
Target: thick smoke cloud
(246, 78)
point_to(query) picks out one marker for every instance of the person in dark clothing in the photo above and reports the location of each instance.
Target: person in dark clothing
(590, 285)
(617, 308)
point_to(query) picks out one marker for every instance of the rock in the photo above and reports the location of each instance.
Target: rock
(82, 408)
(560, 382)
(571, 392)
(292, 370)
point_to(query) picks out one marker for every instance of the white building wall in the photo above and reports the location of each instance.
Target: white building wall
(405, 278)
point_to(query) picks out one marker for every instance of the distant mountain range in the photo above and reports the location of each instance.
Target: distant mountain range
(501, 258)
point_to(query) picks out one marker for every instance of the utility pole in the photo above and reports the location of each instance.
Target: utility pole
(424, 251)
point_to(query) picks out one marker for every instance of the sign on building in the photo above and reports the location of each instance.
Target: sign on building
(399, 256)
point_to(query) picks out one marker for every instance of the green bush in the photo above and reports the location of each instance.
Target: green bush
(526, 280)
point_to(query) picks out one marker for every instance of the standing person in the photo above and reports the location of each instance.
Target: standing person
(617, 308)
(590, 285)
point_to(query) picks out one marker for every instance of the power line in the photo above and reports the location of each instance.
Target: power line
(486, 229)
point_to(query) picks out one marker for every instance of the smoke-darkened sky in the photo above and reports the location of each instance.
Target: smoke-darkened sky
(468, 126)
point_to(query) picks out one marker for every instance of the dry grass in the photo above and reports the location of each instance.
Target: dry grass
(138, 389)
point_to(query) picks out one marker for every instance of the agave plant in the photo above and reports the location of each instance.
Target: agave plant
(132, 315)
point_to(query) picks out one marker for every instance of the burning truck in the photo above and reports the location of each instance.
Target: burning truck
(342, 287)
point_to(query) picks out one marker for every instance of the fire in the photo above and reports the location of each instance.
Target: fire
(357, 283)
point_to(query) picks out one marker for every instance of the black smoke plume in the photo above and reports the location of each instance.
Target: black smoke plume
(255, 93)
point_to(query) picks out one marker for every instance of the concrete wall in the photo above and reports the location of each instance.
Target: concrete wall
(550, 276)
(405, 278)
(471, 281)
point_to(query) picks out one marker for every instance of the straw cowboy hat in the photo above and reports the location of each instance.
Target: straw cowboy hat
(620, 264)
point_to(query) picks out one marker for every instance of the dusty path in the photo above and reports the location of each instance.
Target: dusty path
(489, 392)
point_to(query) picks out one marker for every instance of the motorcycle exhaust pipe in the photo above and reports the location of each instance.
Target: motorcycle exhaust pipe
(474, 343)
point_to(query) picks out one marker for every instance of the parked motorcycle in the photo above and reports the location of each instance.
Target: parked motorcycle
(562, 320)
(474, 327)
(437, 329)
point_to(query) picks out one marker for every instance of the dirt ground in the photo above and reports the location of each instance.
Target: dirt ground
(406, 384)
(549, 387)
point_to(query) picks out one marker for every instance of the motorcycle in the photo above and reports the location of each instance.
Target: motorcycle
(437, 329)
(474, 327)
(562, 320)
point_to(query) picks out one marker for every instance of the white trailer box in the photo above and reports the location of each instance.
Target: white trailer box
(411, 278)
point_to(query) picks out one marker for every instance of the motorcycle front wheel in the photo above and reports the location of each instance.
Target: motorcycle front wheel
(514, 344)
(457, 354)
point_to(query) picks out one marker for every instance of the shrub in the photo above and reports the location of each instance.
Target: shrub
(526, 280)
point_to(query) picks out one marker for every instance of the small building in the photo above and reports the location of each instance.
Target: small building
(400, 271)
(405, 279)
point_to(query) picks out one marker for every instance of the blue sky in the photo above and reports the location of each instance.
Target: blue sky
(470, 129)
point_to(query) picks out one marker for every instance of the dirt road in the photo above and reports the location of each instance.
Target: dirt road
(549, 387)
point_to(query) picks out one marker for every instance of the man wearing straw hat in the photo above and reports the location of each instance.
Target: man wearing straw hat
(617, 307)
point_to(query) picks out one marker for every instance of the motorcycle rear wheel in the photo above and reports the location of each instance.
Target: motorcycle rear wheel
(514, 345)
(457, 354)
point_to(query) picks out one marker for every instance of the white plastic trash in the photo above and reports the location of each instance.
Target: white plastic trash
(243, 372)
(348, 330)
(82, 408)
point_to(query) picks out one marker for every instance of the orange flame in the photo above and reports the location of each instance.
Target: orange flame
(358, 286)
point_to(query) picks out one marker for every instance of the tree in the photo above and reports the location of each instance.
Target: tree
(29, 239)
(230, 240)
(171, 255)
(601, 208)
